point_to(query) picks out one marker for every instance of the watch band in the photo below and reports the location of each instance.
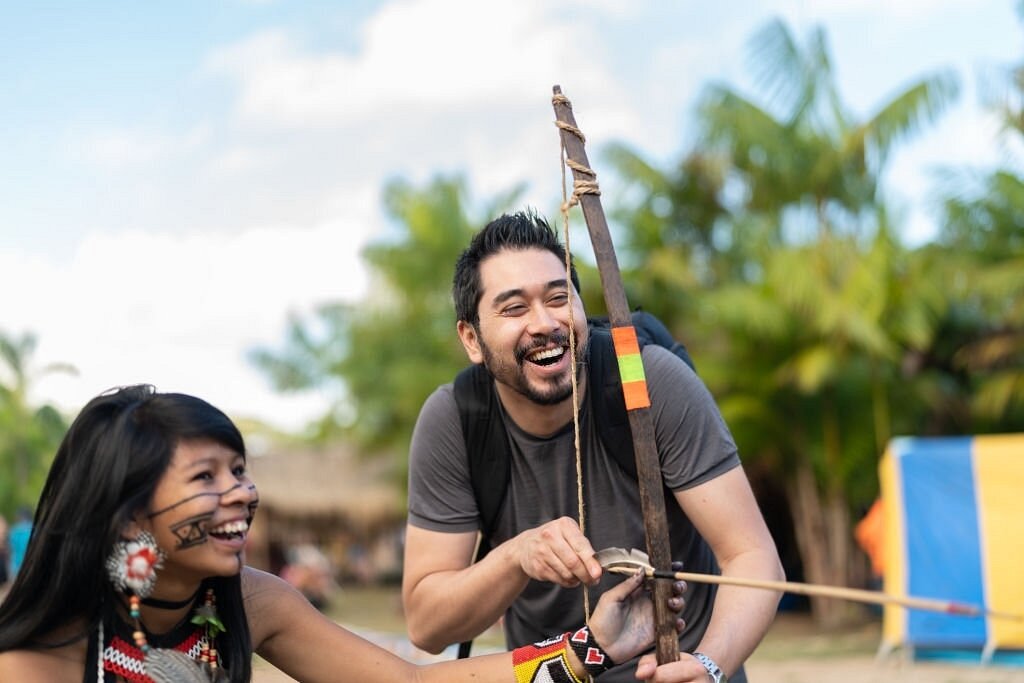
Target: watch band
(714, 671)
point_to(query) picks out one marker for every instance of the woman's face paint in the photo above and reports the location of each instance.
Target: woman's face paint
(254, 502)
(201, 510)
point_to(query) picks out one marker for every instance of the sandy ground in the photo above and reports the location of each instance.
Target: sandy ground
(866, 669)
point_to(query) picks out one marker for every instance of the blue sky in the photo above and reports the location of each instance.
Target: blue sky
(179, 177)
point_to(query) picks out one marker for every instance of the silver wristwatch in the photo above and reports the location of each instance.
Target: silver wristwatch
(714, 671)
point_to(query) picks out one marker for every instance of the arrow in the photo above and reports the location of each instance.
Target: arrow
(622, 561)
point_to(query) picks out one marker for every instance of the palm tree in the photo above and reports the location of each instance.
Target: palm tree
(982, 237)
(982, 241)
(28, 435)
(801, 149)
(811, 166)
(795, 285)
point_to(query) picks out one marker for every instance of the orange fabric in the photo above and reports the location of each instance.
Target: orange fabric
(625, 340)
(636, 395)
(870, 535)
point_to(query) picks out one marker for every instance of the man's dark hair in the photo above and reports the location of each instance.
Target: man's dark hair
(513, 231)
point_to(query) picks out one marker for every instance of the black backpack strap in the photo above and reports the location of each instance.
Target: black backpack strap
(487, 446)
(487, 450)
(607, 404)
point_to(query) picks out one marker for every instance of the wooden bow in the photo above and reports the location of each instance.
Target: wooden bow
(641, 424)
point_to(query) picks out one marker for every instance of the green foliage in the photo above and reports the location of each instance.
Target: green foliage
(800, 147)
(989, 297)
(800, 306)
(793, 291)
(982, 247)
(29, 434)
(382, 357)
(985, 220)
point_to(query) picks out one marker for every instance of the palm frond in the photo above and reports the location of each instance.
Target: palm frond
(909, 111)
(779, 68)
(997, 395)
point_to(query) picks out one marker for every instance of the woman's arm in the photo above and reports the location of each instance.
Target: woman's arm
(293, 636)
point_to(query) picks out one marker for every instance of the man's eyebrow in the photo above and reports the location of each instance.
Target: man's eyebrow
(502, 297)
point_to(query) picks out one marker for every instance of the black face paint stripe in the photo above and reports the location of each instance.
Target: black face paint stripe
(192, 531)
(190, 498)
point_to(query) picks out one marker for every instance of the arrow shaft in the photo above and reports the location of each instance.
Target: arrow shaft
(839, 592)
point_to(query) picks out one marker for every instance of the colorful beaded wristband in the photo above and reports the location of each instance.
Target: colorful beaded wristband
(547, 660)
(595, 660)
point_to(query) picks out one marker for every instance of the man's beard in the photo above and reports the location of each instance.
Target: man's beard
(556, 389)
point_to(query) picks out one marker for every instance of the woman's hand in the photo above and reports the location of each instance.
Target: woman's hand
(623, 621)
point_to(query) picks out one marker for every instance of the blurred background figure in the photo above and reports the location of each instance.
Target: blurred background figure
(3, 555)
(17, 540)
(309, 570)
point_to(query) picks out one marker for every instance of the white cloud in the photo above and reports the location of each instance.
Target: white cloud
(420, 58)
(891, 9)
(182, 311)
(236, 160)
(121, 147)
(435, 86)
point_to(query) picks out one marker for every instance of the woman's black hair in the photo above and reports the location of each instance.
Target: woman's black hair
(105, 471)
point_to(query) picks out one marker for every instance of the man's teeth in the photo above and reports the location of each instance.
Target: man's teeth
(239, 527)
(546, 354)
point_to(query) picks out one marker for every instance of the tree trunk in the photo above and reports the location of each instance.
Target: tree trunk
(822, 529)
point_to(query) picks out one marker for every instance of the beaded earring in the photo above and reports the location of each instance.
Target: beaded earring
(131, 567)
(132, 564)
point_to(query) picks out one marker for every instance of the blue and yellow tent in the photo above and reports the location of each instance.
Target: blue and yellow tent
(954, 530)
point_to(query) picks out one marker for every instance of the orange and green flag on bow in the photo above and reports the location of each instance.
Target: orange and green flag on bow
(631, 368)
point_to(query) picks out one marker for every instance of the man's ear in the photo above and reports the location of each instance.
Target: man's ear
(470, 341)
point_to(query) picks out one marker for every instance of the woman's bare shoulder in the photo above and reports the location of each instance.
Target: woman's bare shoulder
(58, 665)
(258, 584)
(270, 602)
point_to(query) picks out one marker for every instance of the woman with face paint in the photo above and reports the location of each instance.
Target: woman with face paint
(136, 572)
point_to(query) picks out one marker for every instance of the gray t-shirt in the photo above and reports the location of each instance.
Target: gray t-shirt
(694, 446)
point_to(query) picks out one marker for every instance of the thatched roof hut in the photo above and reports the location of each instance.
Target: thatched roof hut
(327, 496)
